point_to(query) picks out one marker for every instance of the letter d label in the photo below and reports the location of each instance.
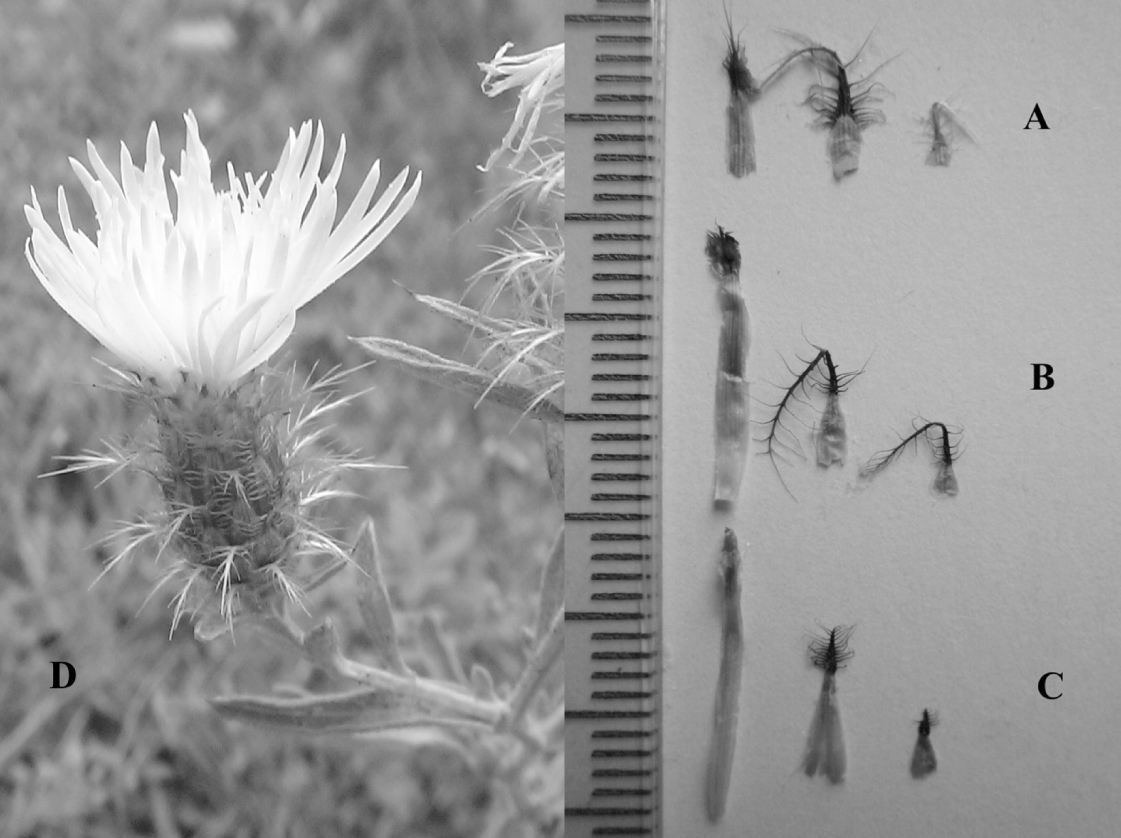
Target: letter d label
(58, 675)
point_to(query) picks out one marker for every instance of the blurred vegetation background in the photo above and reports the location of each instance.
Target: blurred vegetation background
(133, 748)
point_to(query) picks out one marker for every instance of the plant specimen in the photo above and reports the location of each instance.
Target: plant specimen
(194, 293)
(945, 127)
(743, 90)
(923, 760)
(193, 302)
(831, 438)
(732, 440)
(945, 454)
(726, 713)
(825, 746)
(844, 106)
(830, 435)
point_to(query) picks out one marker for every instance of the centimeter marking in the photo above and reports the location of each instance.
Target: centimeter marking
(613, 122)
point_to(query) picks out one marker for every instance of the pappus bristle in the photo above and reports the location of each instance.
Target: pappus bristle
(831, 651)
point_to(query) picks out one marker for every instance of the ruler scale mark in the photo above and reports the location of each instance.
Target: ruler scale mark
(623, 98)
(605, 516)
(622, 772)
(593, 18)
(604, 216)
(622, 58)
(623, 39)
(607, 157)
(606, 417)
(588, 317)
(620, 197)
(578, 811)
(622, 138)
(617, 597)
(606, 117)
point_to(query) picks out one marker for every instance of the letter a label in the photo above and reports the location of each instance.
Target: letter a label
(1037, 118)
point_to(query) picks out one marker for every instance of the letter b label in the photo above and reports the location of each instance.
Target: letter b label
(1042, 376)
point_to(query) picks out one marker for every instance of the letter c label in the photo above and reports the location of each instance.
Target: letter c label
(1043, 685)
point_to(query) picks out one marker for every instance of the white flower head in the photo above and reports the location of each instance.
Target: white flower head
(210, 288)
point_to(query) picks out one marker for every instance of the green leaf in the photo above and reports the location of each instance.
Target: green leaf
(361, 710)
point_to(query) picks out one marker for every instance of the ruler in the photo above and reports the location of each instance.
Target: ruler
(613, 126)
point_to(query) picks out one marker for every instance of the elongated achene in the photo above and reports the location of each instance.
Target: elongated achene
(732, 417)
(727, 711)
(825, 746)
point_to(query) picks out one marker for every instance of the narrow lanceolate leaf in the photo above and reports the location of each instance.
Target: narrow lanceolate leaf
(489, 326)
(552, 589)
(373, 602)
(361, 710)
(463, 379)
(533, 345)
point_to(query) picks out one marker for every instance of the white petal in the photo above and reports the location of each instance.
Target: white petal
(266, 348)
(376, 235)
(230, 343)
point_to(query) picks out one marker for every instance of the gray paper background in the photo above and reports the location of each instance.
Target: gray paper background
(950, 283)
